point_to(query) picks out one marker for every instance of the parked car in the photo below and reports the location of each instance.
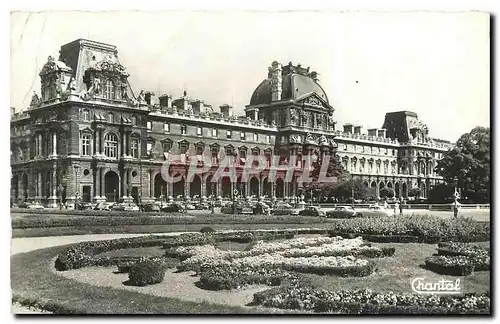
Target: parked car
(34, 206)
(312, 211)
(202, 206)
(375, 210)
(103, 206)
(172, 208)
(83, 206)
(342, 212)
(190, 207)
(285, 210)
(149, 208)
(261, 208)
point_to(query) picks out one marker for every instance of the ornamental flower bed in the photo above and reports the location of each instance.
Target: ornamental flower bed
(368, 302)
(413, 228)
(325, 250)
(234, 277)
(297, 243)
(450, 265)
(83, 254)
(478, 256)
(340, 266)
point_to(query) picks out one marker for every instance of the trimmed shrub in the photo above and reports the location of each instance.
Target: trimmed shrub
(147, 272)
(230, 277)
(452, 266)
(302, 297)
(207, 229)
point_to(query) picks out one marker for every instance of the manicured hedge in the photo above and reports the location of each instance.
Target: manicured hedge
(230, 277)
(146, 272)
(479, 257)
(354, 271)
(302, 297)
(41, 221)
(452, 266)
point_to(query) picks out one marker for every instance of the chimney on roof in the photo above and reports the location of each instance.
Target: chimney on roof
(165, 102)
(226, 110)
(348, 128)
(275, 71)
(372, 132)
(357, 130)
(381, 132)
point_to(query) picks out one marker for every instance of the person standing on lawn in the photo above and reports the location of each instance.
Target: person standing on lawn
(401, 207)
(396, 206)
(455, 208)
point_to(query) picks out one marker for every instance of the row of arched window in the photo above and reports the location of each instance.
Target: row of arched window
(110, 145)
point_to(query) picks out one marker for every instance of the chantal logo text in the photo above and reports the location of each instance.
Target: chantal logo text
(420, 286)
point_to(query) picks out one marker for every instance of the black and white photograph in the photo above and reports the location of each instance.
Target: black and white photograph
(250, 162)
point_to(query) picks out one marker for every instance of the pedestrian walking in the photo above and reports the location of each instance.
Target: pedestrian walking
(455, 208)
(396, 206)
(401, 207)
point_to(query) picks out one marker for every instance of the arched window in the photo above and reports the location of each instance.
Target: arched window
(111, 145)
(109, 90)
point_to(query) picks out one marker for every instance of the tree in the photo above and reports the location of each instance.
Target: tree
(334, 169)
(386, 192)
(441, 193)
(468, 164)
(414, 192)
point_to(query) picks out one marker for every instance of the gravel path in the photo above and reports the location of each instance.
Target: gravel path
(175, 285)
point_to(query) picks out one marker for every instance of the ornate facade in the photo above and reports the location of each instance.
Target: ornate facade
(89, 134)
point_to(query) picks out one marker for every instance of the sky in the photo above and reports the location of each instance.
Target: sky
(435, 64)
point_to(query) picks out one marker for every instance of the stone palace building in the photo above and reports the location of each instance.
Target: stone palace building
(89, 134)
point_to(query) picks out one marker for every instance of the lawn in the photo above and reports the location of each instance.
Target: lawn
(34, 284)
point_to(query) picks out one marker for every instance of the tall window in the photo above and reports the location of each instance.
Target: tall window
(242, 136)
(199, 150)
(149, 148)
(255, 137)
(214, 132)
(149, 125)
(183, 129)
(85, 144)
(229, 134)
(166, 127)
(109, 90)
(199, 131)
(111, 118)
(111, 145)
(85, 115)
(268, 139)
(184, 147)
(134, 147)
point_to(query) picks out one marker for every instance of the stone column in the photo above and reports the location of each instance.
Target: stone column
(151, 185)
(39, 185)
(128, 143)
(273, 189)
(102, 185)
(101, 142)
(20, 187)
(97, 185)
(39, 144)
(52, 203)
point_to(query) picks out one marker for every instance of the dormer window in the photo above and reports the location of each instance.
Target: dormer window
(109, 90)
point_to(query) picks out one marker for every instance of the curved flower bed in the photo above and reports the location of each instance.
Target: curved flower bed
(453, 266)
(234, 277)
(413, 228)
(368, 302)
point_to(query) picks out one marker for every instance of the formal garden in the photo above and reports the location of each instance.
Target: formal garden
(349, 266)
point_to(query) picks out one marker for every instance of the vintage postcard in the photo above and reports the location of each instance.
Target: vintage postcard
(250, 162)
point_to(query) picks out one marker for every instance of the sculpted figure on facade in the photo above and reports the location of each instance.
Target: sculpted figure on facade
(293, 117)
(35, 100)
(309, 138)
(71, 85)
(323, 140)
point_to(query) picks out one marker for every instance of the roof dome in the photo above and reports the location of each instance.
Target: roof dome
(294, 85)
